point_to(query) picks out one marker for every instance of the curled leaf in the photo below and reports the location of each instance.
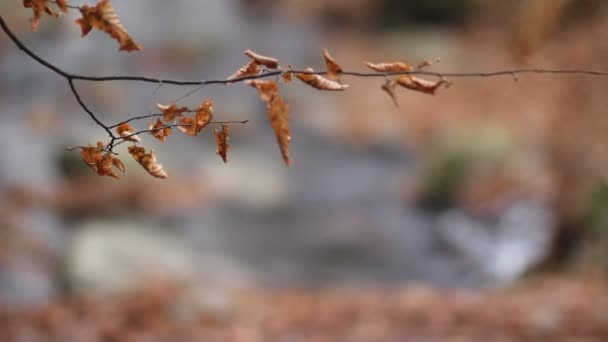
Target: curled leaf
(101, 163)
(389, 88)
(221, 139)
(269, 62)
(278, 114)
(126, 131)
(320, 82)
(251, 69)
(333, 69)
(39, 7)
(63, 5)
(420, 84)
(427, 64)
(171, 112)
(103, 17)
(287, 74)
(147, 161)
(159, 130)
(266, 88)
(194, 125)
(389, 67)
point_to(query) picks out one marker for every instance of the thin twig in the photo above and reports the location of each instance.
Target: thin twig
(71, 77)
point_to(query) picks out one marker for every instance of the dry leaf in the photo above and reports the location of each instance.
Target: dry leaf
(63, 5)
(266, 88)
(278, 114)
(103, 17)
(390, 67)
(287, 74)
(269, 62)
(420, 84)
(159, 130)
(320, 82)
(251, 69)
(91, 156)
(333, 69)
(38, 8)
(194, 125)
(126, 131)
(171, 112)
(389, 88)
(221, 139)
(147, 161)
(101, 163)
(427, 64)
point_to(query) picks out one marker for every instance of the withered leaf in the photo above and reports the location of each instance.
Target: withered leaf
(269, 62)
(171, 112)
(266, 88)
(118, 164)
(389, 88)
(389, 67)
(99, 162)
(221, 139)
(420, 84)
(159, 130)
(287, 74)
(251, 69)
(126, 131)
(103, 17)
(38, 7)
(333, 69)
(147, 161)
(194, 125)
(320, 82)
(278, 114)
(91, 156)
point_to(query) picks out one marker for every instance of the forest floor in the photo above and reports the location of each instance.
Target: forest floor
(540, 309)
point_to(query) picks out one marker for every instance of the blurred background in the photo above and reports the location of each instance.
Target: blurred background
(444, 203)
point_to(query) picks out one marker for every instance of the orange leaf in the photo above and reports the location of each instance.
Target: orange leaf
(91, 156)
(389, 88)
(147, 161)
(266, 88)
(221, 139)
(105, 166)
(103, 17)
(204, 115)
(251, 69)
(390, 67)
(278, 114)
(171, 112)
(320, 82)
(269, 62)
(118, 164)
(287, 74)
(159, 130)
(333, 69)
(63, 5)
(38, 8)
(126, 131)
(420, 84)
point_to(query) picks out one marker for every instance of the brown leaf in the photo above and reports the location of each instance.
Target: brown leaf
(269, 62)
(38, 7)
(105, 166)
(221, 139)
(63, 5)
(147, 161)
(333, 69)
(389, 88)
(427, 64)
(194, 125)
(103, 17)
(118, 164)
(320, 82)
(390, 67)
(251, 69)
(266, 88)
(420, 84)
(287, 74)
(171, 112)
(91, 156)
(126, 131)
(159, 130)
(278, 114)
